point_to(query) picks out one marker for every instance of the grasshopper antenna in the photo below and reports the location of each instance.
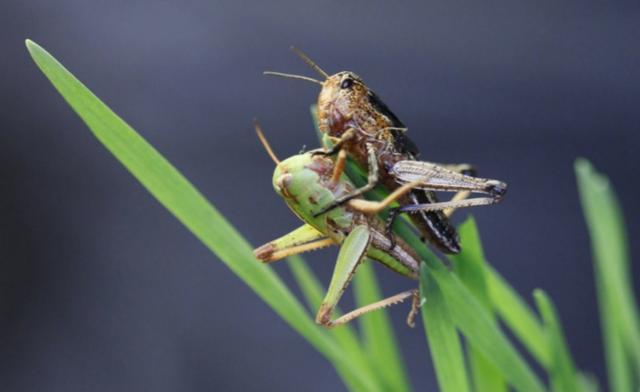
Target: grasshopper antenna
(265, 143)
(309, 62)
(292, 76)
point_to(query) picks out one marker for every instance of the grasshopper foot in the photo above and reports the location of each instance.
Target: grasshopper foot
(496, 189)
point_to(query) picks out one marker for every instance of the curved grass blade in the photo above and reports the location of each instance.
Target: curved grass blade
(470, 266)
(484, 334)
(518, 316)
(618, 309)
(173, 191)
(562, 371)
(504, 300)
(474, 322)
(377, 332)
(345, 336)
(444, 342)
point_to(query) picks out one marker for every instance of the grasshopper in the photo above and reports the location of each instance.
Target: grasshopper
(308, 182)
(362, 126)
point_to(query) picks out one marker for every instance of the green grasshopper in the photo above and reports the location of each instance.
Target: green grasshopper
(308, 182)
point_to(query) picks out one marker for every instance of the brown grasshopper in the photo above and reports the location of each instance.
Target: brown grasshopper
(362, 126)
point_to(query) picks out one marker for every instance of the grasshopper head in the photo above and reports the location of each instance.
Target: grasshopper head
(304, 182)
(342, 95)
(301, 176)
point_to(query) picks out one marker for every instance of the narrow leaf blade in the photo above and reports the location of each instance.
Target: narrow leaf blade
(377, 332)
(345, 336)
(562, 371)
(444, 342)
(518, 316)
(470, 266)
(616, 300)
(475, 322)
(173, 191)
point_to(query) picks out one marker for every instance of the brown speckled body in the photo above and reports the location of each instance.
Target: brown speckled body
(346, 103)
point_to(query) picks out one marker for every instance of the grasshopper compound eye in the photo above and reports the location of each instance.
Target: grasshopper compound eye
(347, 83)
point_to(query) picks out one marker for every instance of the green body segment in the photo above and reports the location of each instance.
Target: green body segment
(305, 182)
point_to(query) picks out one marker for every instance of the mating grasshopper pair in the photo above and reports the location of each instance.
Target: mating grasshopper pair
(364, 128)
(311, 182)
(316, 189)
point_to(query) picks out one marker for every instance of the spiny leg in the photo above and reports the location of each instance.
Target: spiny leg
(462, 195)
(372, 180)
(479, 201)
(393, 300)
(462, 168)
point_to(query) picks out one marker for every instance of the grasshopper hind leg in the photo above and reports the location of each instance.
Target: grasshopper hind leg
(384, 303)
(351, 255)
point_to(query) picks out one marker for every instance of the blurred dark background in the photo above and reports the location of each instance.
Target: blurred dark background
(101, 289)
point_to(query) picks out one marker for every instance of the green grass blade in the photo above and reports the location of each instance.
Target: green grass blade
(518, 316)
(483, 333)
(344, 335)
(503, 299)
(588, 382)
(444, 342)
(562, 371)
(173, 191)
(475, 322)
(618, 310)
(377, 332)
(470, 266)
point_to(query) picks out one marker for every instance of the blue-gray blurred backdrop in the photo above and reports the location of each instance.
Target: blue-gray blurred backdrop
(101, 289)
